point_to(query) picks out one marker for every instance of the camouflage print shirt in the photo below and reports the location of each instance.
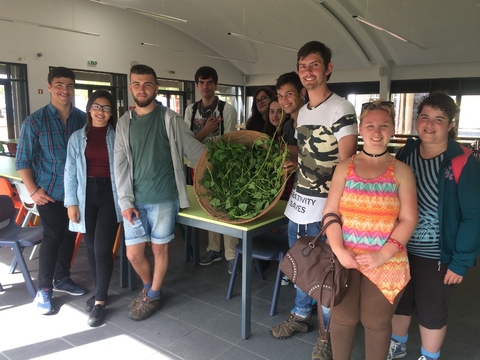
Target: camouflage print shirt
(318, 132)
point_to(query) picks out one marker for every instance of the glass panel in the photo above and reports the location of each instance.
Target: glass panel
(3, 114)
(18, 72)
(176, 104)
(121, 80)
(406, 105)
(3, 71)
(468, 120)
(358, 99)
(20, 106)
(172, 85)
(93, 78)
(162, 99)
(81, 98)
(121, 106)
(227, 90)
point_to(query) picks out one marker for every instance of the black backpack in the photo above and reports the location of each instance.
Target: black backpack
(220, 106)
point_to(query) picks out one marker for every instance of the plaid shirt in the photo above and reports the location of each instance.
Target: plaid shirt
(42, 147)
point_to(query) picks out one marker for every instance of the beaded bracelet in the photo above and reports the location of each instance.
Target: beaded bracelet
(395, 243)
(34, 191)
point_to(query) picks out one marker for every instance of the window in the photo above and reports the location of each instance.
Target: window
(87, 82)
(233, 96)
(14, 104)
(172, 95)
(468, 124)
(407, 95)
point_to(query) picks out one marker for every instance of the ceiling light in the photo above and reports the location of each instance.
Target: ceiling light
(49, 26)
(142, 12)
(243, 37)
(366, 22)
(195, 53)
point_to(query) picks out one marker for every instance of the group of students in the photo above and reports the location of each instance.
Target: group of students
(87, 172)
(404, 252)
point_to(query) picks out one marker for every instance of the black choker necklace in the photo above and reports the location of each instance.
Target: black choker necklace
(374, 155)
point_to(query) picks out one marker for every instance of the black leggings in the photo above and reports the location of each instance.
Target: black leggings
(101, 225)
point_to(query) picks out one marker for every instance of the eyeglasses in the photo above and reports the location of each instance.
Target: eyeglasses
(105, 108)
(262, 99)
(374, 105)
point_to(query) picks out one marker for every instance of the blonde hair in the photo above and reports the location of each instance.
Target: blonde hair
(378, 104)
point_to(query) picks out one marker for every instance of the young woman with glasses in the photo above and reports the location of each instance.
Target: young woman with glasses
(375, 197)
(261, 102)
(91, 195)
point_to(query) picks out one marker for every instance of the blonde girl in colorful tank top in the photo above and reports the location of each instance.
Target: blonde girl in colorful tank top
(376, 199)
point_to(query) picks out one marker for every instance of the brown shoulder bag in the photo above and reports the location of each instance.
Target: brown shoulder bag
(314, 268)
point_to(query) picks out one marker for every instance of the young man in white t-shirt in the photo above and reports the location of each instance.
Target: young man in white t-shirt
(209, 118)
(326, 133)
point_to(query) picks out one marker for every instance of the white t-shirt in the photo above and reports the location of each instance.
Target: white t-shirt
(318, 132)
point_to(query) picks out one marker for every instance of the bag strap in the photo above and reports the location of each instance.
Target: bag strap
(324, 226)
(194, 111)
(325, 329)
(221, 106)
(458, 162)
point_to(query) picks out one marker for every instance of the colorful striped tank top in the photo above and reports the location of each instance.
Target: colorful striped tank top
(369, 210)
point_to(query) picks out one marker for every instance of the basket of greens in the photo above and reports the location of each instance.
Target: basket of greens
(240, 176)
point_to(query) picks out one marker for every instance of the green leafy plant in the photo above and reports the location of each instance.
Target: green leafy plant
(244, 180)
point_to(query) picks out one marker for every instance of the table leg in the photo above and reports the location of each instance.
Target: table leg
(246, 285)
(187, 243)
(196, 246)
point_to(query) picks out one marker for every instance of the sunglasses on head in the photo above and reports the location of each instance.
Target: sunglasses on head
(373, 105)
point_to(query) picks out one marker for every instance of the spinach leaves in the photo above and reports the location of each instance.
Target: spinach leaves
(244, 180)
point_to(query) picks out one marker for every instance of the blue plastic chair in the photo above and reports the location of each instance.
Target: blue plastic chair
(261, 250)
(17, 238)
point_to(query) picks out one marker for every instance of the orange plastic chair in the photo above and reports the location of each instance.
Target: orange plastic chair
(7, 189)
(78, 241)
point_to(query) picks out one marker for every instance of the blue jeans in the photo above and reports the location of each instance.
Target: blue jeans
(158, 220)
(303, 302)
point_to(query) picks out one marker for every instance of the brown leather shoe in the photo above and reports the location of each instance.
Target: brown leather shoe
(144, 308)
(292, 325)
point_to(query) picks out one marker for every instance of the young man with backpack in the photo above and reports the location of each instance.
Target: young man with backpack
(208, 119)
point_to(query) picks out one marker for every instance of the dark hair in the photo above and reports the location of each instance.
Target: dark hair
(289, 78)
(269, 128)
(316, 47)
(256, 117)
(444, 103)
(143, 70)
(98, 95)
(60, 72)
(206, 72)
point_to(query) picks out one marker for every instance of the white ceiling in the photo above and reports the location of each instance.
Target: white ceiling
(449, 30)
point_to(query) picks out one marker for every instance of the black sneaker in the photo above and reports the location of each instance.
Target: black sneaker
(90, 304)
(230, 264)
(68, 286)
(211, 257)
(97, 316)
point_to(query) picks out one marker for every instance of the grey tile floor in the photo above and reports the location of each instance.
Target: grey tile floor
(196, 322)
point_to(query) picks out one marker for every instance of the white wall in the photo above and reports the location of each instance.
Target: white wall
(121, 33)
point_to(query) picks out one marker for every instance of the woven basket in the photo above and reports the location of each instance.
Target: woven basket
(244, 137)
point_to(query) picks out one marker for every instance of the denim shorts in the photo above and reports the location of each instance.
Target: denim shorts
(158, 221)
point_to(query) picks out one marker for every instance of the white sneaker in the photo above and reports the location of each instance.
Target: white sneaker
(285, 281)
